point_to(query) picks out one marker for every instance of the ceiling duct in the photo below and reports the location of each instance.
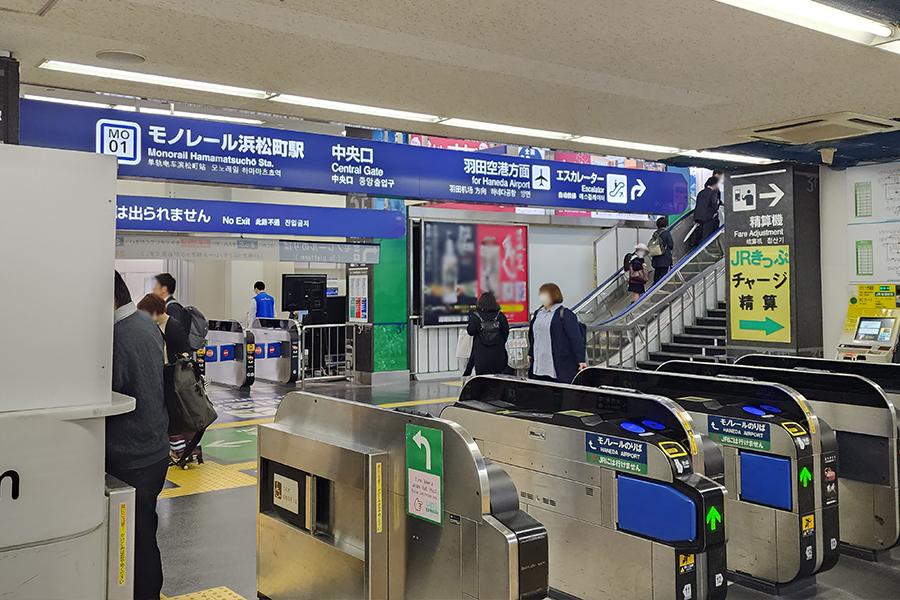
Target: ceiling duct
(823, 128)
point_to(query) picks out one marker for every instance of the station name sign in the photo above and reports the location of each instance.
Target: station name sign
(185, 149)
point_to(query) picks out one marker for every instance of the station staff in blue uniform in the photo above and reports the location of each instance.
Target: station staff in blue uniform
(262, 305)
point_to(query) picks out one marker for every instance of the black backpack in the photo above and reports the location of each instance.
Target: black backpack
(489, 332)
(626, 264)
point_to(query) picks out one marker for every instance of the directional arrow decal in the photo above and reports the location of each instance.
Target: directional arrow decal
(638, 190)
(769, 326)
(712, 517)
(805, 477)
(775, 195)
(224, 444)
(420, 440)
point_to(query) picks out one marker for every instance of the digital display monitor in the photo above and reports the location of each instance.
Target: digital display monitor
(872, 329)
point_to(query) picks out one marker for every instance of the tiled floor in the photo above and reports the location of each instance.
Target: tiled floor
(208, 512)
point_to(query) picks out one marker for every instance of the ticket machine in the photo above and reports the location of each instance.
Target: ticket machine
(872, 326)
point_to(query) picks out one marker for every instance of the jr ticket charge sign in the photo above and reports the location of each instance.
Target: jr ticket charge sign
(760, 293)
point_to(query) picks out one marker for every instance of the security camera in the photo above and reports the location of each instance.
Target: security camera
(827, 155)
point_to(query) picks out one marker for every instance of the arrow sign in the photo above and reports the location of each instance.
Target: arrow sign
(769, 326)
(638, 190)
(713, 517)
(420, 441)
(775, 195)
(224, 444)
(805, 477)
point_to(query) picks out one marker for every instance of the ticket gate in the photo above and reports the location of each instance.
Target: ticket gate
(277, 346)
(357, 501)
(783, 523)
(229, 357)
(866, 425)
(610, 474)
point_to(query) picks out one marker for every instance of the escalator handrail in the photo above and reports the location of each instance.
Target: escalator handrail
(621, 271)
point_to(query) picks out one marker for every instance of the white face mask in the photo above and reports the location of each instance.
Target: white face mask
(545, 299)
(641, 254)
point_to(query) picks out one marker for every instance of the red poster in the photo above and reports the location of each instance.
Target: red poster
(503, 268)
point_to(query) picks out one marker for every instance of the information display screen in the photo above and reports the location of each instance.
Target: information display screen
(460, 261)
(874, 329)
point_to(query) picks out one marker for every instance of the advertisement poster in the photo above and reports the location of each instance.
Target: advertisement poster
(460, 261)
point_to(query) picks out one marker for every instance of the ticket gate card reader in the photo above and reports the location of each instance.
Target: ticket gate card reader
(277, 345)
(230, 354)
(628, 518)
(781, 533)
(357, 501)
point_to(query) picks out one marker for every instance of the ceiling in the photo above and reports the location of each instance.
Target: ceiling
(679, 74)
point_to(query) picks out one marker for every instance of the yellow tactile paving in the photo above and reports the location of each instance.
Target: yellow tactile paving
(418, 402)
(219, 593)
(208, 477)
(241, 423)
(244, 466)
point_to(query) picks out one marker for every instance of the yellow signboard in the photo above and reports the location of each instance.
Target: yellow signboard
(879, 300)
(760, 297)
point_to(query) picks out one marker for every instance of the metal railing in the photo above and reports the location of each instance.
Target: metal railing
(326, 352)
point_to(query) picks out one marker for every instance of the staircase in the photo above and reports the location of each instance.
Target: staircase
(704, 341)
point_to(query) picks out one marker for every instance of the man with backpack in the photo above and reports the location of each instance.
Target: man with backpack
(490, 330)
(660, 249)
(192, 320)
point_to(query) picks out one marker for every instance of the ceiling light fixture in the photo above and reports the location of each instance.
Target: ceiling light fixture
(206, 117)
(509, 129)
(65, 101)
(354, 108)
(822, 18)
(727, 157)
(135, 77)
(585, 139)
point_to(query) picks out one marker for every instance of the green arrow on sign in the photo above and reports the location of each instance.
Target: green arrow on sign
(712, 517)
(805, 477)
(769, 326)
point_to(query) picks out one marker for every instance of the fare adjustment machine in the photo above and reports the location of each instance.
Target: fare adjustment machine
(611, 475)
(871, 330)
(357, 501)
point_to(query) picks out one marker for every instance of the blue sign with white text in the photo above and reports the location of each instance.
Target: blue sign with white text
(176, 148)
(145, 213)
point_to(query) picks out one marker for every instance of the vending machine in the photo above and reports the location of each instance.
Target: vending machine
(870, 330)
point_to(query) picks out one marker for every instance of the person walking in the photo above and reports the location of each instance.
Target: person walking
(637, 272)
(662, 239)
(706, 213)
(556, 339)
(175, 338)
(489, 330)
(137, 443)
(164, 288)
(262, 305)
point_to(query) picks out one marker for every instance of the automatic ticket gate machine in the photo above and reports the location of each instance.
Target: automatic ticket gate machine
(610, 474)
(866, 424)
(230, 354)
(277, 350)
(357, 501)
(783, 523)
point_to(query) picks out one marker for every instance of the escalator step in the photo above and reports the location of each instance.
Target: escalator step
(649, 365)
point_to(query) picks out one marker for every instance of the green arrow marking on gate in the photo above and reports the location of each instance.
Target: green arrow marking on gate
(769, 326)
(712, 517)
(805, 477)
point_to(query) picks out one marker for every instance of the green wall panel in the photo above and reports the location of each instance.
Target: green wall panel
(389, 307)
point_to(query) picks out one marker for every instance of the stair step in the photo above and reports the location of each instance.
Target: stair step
(704, 330)
(703, 340)
(723, 306)
(667, 356)
(719, 313)
(649, 365)
(711, 321)
(693, 349)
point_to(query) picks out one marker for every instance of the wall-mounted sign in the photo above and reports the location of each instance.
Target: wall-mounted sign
(460, 261)
(363, 254)
(144, 213)
(176, 148)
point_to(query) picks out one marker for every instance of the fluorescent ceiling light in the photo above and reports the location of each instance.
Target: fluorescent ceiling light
(355, 108)
(727, 157)
(187, 84)
(585, 139)
(191, 115)
(510, 129)
(813, 15)
(66, 101)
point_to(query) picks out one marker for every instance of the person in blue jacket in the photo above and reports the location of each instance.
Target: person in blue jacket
(262, 305)
(556, 340)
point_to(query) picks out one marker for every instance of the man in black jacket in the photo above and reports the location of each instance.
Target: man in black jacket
(165, 289)
(706, 212)
(137, 443)
(663, 262)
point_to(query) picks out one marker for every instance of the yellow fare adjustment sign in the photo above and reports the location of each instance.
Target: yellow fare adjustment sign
(760, 293)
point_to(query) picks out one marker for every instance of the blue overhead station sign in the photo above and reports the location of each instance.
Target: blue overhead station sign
(144, 213)
(175, 148)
